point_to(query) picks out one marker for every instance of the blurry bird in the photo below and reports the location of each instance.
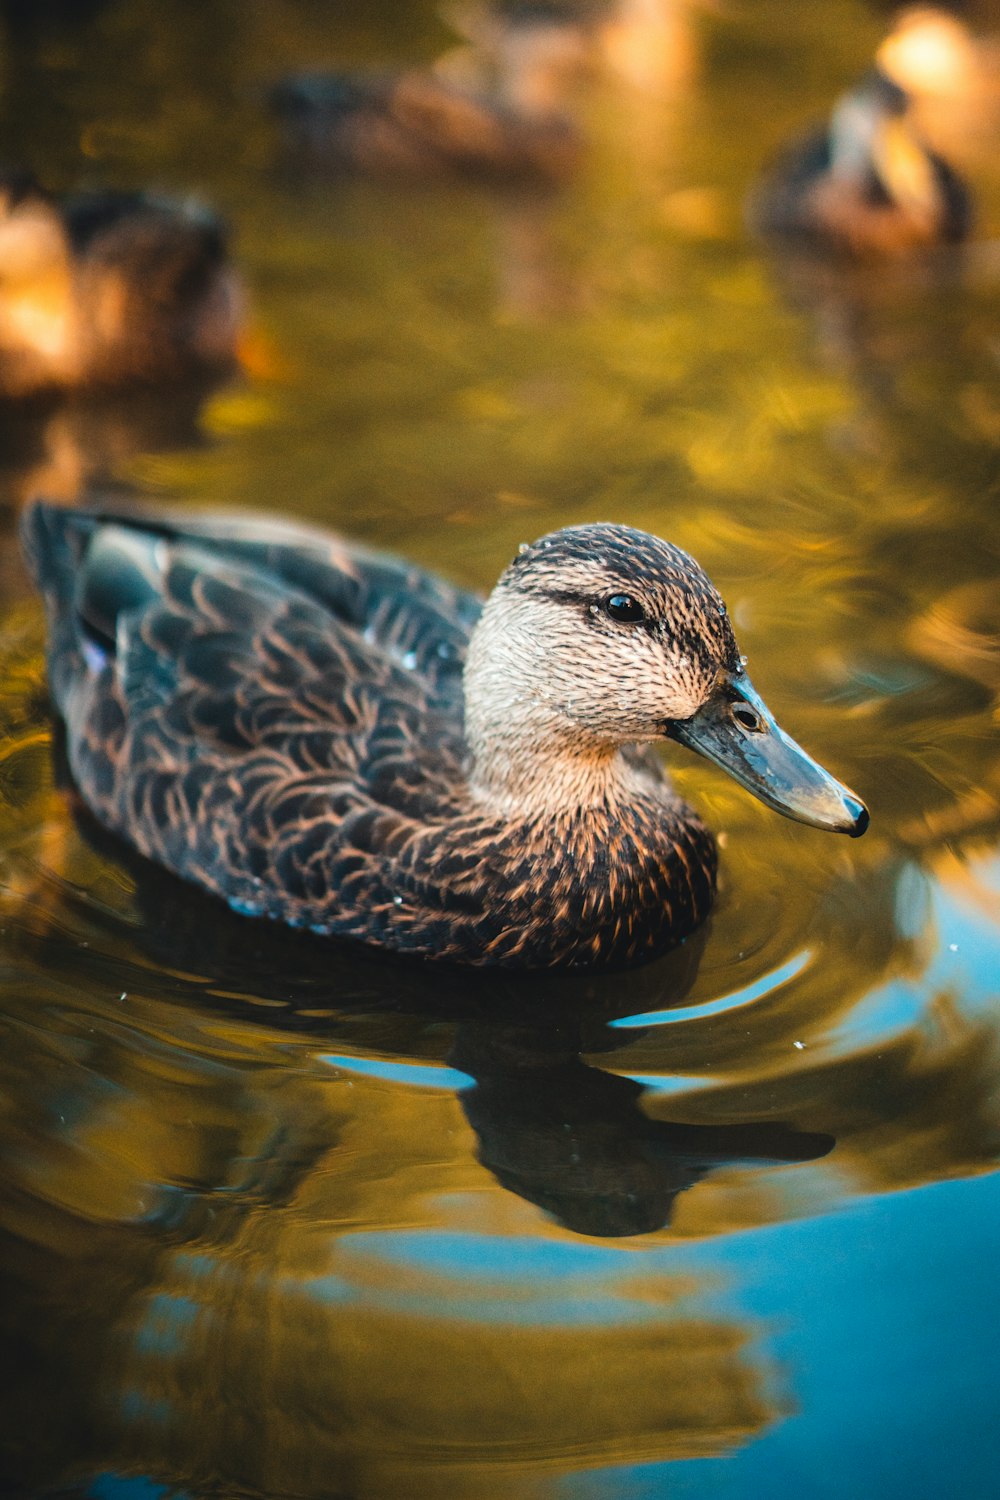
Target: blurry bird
(493, 108)
(864, 184)
(416, 124)
(103, 289)
(505, 104)
(645, 43)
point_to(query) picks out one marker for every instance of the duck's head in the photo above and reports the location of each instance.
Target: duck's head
(600, 636)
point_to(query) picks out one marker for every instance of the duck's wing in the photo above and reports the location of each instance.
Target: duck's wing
(958, 213)
(272, 715)
(419, 620)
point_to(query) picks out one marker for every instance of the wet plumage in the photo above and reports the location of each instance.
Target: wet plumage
(341, 741)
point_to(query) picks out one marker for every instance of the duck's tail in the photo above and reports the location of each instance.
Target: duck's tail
(54, 540)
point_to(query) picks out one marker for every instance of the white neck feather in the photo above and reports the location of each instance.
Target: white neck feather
(530, 756)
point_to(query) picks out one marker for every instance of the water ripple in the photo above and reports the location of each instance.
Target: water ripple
(767, 984)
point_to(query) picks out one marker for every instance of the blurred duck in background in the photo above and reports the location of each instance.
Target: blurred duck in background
(865, 184)
(104, 289)
(494, 107)
(503, 104)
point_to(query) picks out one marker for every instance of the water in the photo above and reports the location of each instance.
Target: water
(285, 1218)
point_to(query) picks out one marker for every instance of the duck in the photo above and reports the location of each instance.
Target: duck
(102, 289)
(339, 740)
(864, 185)
(492, 109)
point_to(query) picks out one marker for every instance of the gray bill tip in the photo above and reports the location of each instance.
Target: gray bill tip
(735, 728)
(856, 810)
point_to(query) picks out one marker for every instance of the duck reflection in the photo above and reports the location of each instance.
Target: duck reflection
(87, 442)
(574, 1139)
(557, 1131)
(259, 1261)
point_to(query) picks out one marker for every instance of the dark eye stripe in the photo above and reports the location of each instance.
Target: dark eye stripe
(624, 609)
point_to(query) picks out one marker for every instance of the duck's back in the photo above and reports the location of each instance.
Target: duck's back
(237, 703)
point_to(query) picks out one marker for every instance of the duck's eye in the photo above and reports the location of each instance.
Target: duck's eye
(624, 609)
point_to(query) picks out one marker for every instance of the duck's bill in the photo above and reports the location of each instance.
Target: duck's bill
(737, 731)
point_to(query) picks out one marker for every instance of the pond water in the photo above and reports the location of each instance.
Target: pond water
(283, 1218)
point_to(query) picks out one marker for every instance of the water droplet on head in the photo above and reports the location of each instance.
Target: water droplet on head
(397, 900)
(594, 609)
(410, 660)
(720, 608)
(523, 548)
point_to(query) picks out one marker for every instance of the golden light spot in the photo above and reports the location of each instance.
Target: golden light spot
(260, 357)
(486, 404)
(927, 51)
(699, 213)
(906, 169)
(238, 411)
(38, 318)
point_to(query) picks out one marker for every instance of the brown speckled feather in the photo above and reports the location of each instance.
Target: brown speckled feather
(278, 717)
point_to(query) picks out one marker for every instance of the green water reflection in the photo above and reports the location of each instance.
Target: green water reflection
(282, 1218)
